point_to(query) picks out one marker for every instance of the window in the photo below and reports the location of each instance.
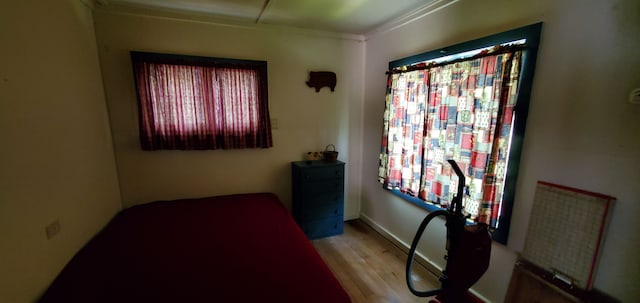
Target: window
(469, 103)
(192, 103)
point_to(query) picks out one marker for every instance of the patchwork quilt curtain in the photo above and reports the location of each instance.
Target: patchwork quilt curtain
(461, 110)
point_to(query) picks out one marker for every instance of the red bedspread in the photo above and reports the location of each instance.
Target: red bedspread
(237, 248)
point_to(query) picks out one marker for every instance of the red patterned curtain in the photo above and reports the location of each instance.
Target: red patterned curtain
(461, 111)
(186, 106)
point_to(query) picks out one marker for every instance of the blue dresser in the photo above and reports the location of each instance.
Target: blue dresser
(318, 197)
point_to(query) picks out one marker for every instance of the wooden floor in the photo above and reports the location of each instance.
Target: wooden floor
(370, 268)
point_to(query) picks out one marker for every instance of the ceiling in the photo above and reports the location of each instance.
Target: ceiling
(342, 16)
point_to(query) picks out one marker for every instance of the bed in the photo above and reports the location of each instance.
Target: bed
(234, 248)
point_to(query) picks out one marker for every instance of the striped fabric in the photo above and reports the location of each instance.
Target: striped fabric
(461, 111)
(194, 103)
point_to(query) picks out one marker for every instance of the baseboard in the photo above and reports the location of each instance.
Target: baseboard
(351, 217)
(421, 259)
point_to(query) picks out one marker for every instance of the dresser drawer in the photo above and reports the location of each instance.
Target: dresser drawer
(329, 197)
(323, 228)
(320, 211)
(322, 173)
(331, 186)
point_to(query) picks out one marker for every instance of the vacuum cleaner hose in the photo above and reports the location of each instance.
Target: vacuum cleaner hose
(412, 253)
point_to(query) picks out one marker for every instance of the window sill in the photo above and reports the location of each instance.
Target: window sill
(417, 201)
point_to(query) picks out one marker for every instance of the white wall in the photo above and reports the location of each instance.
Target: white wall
(581, 132)
(306, 120)
(56, 159)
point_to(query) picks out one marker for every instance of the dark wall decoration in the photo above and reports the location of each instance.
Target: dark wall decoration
(319, 80)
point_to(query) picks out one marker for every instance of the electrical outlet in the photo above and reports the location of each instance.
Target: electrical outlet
(52, 229)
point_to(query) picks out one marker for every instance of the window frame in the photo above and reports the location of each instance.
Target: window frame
(200, 61)
(530, 52)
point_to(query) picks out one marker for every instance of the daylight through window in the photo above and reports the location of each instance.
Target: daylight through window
(188, 102)
(469, 106)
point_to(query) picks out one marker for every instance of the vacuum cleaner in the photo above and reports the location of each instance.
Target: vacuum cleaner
(468, 252)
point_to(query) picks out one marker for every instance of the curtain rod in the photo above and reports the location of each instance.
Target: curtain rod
(496, 50)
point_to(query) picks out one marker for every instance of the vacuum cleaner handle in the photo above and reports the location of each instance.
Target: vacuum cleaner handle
(412, 253)
(456, 204)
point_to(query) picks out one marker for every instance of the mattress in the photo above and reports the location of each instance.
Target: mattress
(235, 248)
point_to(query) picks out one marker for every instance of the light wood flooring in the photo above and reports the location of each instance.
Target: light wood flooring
(371, 268)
